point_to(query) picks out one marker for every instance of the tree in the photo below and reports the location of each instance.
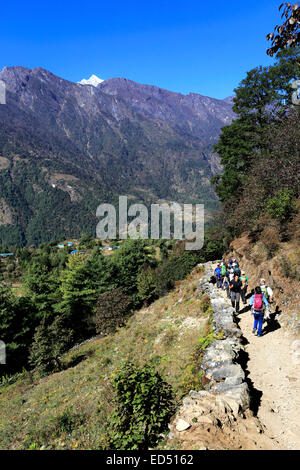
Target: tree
(78, 295)
(17, 323)
(49, 342)
(111, 311)
(146, 285)
(262, 99)
(128, 262)
(42, 288)
(289, 32)
(276, 172)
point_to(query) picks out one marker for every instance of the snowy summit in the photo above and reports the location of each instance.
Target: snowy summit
(93, 80)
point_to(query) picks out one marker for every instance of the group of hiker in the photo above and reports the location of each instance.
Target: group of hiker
(231, 278)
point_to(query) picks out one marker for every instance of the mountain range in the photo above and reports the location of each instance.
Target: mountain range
(67, 147)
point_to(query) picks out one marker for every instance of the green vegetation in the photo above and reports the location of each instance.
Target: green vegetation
(144, 407)
(82, 396)
(64, 299)
(260, 150)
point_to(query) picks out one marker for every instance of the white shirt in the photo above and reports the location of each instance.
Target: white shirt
(269, 290)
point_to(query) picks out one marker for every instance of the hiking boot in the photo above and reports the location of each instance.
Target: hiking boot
(254, 331)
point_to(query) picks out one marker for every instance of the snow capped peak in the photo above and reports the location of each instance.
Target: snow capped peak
(93, 80)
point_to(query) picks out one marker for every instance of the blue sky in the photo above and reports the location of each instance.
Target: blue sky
(183, 46)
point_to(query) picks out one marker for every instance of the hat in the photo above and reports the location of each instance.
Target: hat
(262, 281)
(243, 272)
(232, 271)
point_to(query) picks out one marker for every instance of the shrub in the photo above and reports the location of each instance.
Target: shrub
(291, 270)
(144, 407)
(270, 238)
(194, 377)
(66, 422)
(205, 304)
(282, 205)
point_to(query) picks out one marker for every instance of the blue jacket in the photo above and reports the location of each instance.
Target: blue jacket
(251, 301)
(218, 272)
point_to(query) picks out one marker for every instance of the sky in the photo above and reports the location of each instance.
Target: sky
(183, 46)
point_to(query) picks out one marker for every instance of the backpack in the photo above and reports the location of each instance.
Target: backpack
(237, 270)
(265, 292)
(223, 270)
(218, 272)
(258, 302)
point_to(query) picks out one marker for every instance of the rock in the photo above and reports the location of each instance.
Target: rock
(206, 420)
(201, 394)
(226, 393)
(182, 425)
(234, 406)
(295, 346)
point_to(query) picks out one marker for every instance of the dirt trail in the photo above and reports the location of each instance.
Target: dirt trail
(274, 372)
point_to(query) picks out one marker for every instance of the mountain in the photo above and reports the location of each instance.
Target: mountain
(67, 147)
(93, 80)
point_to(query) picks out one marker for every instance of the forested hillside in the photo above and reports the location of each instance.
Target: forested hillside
(260, 151)
(103, 339)
(65, 148)
(52, 299)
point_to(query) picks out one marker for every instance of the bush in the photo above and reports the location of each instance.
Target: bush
(205, 304)
(282, 205)
(291, 270)
(270, 238)
(144, 407)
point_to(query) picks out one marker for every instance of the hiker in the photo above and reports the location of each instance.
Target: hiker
(244, 281)
(266, 290)
(218, 275)
(226, 285)
(268, 293)
(235, 289)
(258, 302)
(237, 271)
(231, 275)
(223, 271)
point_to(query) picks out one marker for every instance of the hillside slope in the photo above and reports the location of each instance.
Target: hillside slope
(65, 148)
(70, 409)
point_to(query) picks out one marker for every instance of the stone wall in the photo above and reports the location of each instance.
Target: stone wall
(226, 398)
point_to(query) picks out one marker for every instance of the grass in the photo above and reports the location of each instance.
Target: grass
(69, 409)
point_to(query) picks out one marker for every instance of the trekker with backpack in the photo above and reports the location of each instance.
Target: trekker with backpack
(235, 289)
(244, 281)
(235, 263)
(268, 293)
(226, 285)
(231, 275)
(237, 271)
(218, 276)
(258, 302)
(223, 271)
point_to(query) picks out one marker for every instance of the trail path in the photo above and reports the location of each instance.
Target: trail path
(275, 375)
